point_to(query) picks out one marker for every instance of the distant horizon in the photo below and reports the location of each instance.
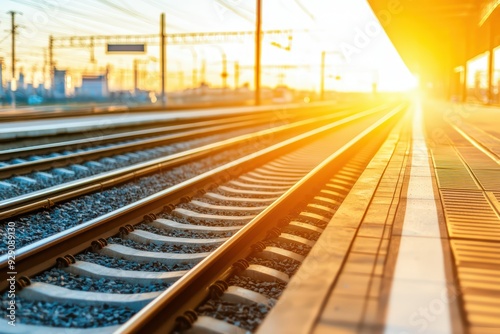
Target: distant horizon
(349, 33)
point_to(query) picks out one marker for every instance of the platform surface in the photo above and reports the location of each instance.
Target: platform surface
(415, 246)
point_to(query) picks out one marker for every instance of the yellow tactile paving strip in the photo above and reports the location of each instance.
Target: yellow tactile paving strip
(473, 222)
(470, 215)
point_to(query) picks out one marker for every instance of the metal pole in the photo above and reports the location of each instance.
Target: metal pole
(258, 42)
(465, 58)
(203, 71)
(136, 74)
(92, 56)
(51, 63)
(13, 32)
(195, 71)
(163, 58)
(322, 83)
(224, 70)
(490, 61)
(236, 75)
(1, 79)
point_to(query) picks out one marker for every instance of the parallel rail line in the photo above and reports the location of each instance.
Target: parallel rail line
(194, 287)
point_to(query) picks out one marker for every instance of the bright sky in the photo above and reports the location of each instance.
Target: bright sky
(358, 49)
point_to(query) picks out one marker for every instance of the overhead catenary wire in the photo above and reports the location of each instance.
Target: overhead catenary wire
(305, 10)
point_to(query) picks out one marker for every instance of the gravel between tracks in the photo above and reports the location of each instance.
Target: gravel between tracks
(182, 234)
(59, 315)
(196, 208)
(307, 235)
(218, 202)
(245, 316)
(287, 266)
(240, 195)
(165, 248)
(292, 247)
(21, 188)
(83, 283)
(199, 221)
(111, 262)
(268, 289)
(42, 224)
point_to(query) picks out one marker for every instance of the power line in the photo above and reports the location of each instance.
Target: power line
(70, 14)
(126, 11)
(179, 14)
(172, 39)
(235, 11)
(5, 38)
(305, 10)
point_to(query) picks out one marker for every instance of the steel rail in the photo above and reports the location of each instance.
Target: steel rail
(42, 254)
(112, 138)
(46, 198)
(204, 128)
(186, 116)
(192, 289)
(79, 157)
(82, 111)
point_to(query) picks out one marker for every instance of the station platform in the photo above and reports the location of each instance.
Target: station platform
(74, 124)
(415, 246)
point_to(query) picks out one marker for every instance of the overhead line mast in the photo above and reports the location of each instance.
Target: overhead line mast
(13, 31)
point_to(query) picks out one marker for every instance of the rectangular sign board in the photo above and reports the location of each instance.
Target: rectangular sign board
(134, 48)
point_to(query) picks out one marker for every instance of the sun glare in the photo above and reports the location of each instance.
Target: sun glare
(359, 55)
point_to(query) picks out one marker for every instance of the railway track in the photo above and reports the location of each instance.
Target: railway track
(65, 163)
(29, 169)
(171, 232)
(39, 131)
(45, 199)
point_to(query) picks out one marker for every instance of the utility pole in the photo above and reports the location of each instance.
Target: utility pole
(258, 44)
(491, 63)
(163, 59)
(322, 83)
(51, 63)
(13, 32)
(224, 74)
(44, 66)
(236, 75)
(92, 56)
(1, 79)
(203, 71)
(136, 74)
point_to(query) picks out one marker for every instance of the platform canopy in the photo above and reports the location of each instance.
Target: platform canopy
(435, 36)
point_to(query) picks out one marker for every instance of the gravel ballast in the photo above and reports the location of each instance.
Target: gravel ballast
(83, 283)
(268, 289)
(245, 316)
(59, 315)
(290, 246)
(115, 263)
(182, 234)
(165, 248)
(34, 227)
(107, 164)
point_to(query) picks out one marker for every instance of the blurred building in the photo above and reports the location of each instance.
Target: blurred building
(1, 78)
(59, 84)
(94, 86)
(20, 82)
